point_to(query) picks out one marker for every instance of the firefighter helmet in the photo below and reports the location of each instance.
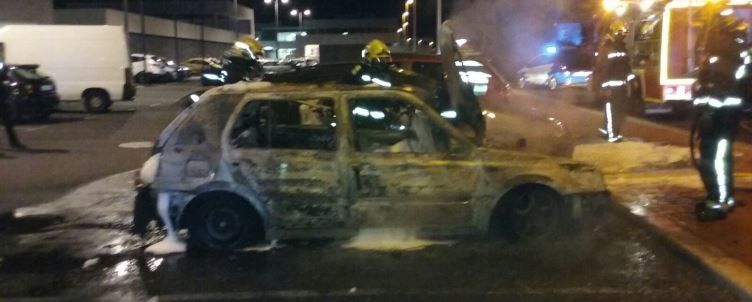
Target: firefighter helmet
(253, 45)
(617, 30)
(376, 51)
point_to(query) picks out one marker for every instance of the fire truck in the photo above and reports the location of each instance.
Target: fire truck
(662, 47)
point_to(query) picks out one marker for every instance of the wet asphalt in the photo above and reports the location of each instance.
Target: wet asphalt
(85, 253)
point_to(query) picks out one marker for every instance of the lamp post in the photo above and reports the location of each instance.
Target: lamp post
(300, 14)
(414, 5)
(276, 10)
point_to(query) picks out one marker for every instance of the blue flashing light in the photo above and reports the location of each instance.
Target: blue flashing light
(551, 50)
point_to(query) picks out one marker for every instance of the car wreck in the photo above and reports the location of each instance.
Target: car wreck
(260, 161)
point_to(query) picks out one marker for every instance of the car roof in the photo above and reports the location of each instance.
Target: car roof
(268, 87)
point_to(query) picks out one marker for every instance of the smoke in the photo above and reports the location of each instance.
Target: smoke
(511, 32)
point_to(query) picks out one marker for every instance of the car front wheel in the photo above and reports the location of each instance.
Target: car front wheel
(96, 101)
(528, 213)
(224, 225)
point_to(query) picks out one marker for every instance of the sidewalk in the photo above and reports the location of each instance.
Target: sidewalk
(663, 201)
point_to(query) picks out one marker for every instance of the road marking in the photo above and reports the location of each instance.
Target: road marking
(136, 145)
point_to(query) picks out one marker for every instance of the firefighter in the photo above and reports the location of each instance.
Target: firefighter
(5, 108)
(241, 61)
(612, 76)
(376, 69)
(723, 56)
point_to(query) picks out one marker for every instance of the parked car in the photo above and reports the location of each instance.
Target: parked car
(176, 72)
(477, 72)
(196, 65)
(566, 68)
(154, 69)
(275, 67)
(33, 94)
(255, 161)
(89, 63)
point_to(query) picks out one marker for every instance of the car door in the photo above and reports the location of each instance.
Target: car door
(285, 151)
(405, 174)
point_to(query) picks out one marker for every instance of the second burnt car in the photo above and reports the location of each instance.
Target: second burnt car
(260, 161)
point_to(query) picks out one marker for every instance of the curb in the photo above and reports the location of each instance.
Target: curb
(725, 269)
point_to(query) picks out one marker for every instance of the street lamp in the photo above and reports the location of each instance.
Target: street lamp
(300, 14)
(276, 10)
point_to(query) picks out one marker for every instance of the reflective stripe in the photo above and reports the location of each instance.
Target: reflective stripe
(630, 77)
(713, 59)
(716, 103)
(741, 72)
(613, 84)
(617, 55)
(381, 82)
(720, 169)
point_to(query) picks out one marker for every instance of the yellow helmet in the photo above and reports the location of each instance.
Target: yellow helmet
(253, 45)
(376, 51)
(616, 30)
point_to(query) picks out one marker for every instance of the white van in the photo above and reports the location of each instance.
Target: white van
(88, 63)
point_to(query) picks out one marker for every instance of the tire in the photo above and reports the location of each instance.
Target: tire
(224, 224)
(530, 213)
(96, 101)
(552, 84)
(522, 83)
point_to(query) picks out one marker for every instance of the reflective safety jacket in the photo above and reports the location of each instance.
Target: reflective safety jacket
(723, 72)
(612, 67)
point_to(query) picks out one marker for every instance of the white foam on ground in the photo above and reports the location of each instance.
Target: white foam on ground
(390, 240)
(91, 262)
(166, 247)
(136, 145)
(632, 156)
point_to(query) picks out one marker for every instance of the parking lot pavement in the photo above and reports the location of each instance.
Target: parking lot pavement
(78, 248)
(75, 147)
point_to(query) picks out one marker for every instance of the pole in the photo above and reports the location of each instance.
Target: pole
(300, 21)
(175, 8)
(415, 26)
(276, 16)
(276, 28)
(203, 20)
(235, 17)
(126, 23)
(143, 33)
(690, 34)
(438, 26)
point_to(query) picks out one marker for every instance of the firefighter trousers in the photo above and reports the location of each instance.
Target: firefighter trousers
(615, 111)
(717, 130)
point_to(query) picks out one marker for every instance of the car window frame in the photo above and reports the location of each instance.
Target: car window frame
(270, 96)
(466, 144)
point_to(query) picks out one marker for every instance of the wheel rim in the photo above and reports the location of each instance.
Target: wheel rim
(96, 102)
(521, 83)
(552, 84)
(223, 224)
(534, 215)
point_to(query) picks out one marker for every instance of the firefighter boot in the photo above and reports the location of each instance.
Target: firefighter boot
(711, 210)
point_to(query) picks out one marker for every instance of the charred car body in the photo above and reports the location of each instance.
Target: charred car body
(255, 161)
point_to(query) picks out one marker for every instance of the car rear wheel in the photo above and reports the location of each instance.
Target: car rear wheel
(96, 101)
(224, 224)
(530, 213)
(552, 84)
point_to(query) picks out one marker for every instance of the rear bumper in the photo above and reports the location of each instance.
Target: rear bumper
(580, 205)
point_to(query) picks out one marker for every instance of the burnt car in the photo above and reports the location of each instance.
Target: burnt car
(258, 161)
(33, 94)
